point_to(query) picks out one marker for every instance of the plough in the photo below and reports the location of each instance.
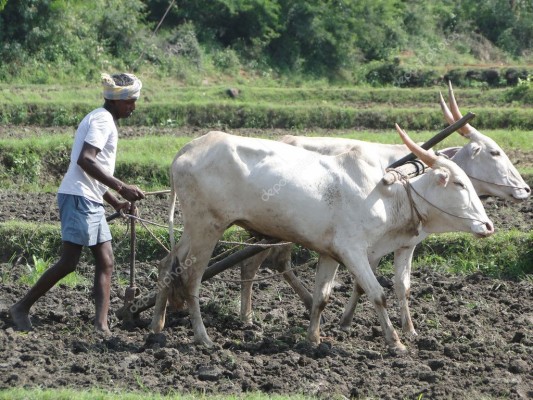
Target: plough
(134, 303)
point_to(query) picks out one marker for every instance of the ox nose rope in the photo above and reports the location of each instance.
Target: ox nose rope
(495, 184)
(414, 210)
(407, 185)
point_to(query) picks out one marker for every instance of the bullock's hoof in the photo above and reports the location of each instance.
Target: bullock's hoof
(410, 331)
(398, 349)
(313, 339)
(156, 327)
(205, 342)
(345, 327)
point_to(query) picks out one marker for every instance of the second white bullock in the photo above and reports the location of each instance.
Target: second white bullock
(335, 205)
(484, 161)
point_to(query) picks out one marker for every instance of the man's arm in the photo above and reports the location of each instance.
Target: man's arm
(87, 162)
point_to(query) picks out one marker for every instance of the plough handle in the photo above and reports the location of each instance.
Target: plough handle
(113, 216)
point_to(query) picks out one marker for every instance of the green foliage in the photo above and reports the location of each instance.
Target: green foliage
(232, 22)
(24, 241)
(43, 39)
(46, 41)
(505, 255)
(523, 92)
(24, 165)
(508, 24)
(39, 266)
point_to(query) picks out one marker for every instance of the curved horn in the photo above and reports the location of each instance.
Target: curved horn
(418, 151)
(467, 128)
(448, 115)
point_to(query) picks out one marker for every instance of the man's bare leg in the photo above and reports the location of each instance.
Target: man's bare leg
(67, 263)
(104, 262)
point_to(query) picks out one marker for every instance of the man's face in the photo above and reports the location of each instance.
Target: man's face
(124, 108)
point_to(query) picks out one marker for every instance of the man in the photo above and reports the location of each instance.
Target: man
(80, 200)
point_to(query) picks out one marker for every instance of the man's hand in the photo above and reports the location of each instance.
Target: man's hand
(131, 192)
(126, 207)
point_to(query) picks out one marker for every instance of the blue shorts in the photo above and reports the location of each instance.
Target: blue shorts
(82, 221)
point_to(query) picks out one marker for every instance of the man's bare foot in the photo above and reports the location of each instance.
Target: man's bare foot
(21, 318)
(104, 332)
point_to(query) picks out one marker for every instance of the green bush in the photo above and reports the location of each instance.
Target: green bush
(523, 92)
(24, 165)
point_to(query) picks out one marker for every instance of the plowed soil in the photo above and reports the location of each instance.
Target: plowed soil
(475, 337)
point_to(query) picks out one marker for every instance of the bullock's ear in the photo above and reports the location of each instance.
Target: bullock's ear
(443, 176)
(474, 150)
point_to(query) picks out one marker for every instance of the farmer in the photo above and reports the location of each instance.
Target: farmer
(80, 198)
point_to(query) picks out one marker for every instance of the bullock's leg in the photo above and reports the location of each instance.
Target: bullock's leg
(282, 261)
(359, 266)
(249, 268)
(164, 280)
(191, 256)
(193, 266)
(349, 308)
(402, 285)
(325, 276)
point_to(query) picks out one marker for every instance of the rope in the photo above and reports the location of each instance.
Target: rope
(414, 209)
(125, 215)
(151, 234)
(228, 251)
(492, 183)
(266, 246)
(157, 192)
(265, 277)
(440, 209)
(238, 244)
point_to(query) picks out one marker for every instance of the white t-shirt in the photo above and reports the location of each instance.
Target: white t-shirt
(99, 130)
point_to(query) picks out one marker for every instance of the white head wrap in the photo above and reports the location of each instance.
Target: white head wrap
(121, 86)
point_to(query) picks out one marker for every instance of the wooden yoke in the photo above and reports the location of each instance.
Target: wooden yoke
(410, 167)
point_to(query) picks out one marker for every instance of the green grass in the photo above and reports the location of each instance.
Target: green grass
(67, 394)
(172, 93)
(506, 254)
(43, 241)
(36, 163)
(158, 150)
(38, 267)
(265, 107)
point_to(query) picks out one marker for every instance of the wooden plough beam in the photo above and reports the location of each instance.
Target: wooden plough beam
(131, 309)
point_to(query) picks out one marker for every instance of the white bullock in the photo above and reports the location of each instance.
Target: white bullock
(334, 205)
(487, 165)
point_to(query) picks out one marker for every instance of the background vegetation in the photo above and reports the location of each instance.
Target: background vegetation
(401, 42)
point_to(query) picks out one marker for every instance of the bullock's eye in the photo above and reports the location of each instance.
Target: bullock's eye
(495, 152)
(460, 184)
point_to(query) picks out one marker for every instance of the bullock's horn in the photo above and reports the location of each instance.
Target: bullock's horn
(448, 115)
(424, 155)
(455, 110)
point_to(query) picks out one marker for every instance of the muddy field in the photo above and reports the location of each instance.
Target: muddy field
(475, 337)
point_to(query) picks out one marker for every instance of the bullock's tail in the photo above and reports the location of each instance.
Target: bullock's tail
(172, 208)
